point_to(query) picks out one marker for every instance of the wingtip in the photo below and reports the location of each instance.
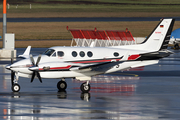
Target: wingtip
(26, 53)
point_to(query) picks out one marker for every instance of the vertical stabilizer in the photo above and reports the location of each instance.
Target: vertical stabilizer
(160, 36)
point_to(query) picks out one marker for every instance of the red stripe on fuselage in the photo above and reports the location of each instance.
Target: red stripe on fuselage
(58, 68)
(96, 61)
(55, 68)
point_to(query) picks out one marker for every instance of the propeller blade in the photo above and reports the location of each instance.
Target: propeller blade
(39, 77)
(38, 60)
(33, 75)
(11, 61)
(12, 77)
(32, 59)
(35, 72)
(12, 56)
(12, 72)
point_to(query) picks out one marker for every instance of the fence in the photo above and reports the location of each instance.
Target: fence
(101, 38)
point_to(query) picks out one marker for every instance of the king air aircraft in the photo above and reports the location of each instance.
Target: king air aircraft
(83, 62)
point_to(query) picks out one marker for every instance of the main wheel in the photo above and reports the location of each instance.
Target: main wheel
(16, 88)
(176, 46)
(85, 88)
(61, 85)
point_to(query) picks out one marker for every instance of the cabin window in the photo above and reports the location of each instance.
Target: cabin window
(116, 54)
(82, 54)
(90, 54)
(49, 52)
(74, 54)
(60, 53)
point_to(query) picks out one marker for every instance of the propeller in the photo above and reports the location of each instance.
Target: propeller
(12, 72)
(35, 72)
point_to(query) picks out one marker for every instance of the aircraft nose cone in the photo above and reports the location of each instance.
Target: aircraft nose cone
(8, 67)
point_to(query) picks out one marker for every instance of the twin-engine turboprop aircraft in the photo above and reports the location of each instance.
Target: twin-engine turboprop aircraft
(83, 62)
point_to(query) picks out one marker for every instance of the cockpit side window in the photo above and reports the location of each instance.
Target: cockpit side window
(49, 52)
(60, 53)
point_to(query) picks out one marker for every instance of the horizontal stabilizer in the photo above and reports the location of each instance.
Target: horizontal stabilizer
(145, 63)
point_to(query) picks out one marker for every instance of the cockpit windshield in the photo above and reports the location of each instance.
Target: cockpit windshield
(49, 52)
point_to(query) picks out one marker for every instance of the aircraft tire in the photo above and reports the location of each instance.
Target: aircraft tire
(61, 85)
(176, 46)
(16, 88)
(85, 88)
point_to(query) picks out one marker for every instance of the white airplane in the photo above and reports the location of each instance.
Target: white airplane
(175, 42)
(83, 62)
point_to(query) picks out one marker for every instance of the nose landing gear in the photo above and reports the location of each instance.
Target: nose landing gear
(15, 86)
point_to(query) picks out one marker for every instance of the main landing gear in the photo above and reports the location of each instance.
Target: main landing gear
(85, 87)
(62, 85)
(176, 46)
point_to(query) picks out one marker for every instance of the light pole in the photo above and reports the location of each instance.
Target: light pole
(8, 39)
(4, 22)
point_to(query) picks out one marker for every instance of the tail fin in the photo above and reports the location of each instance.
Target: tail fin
(26, 53)
(160, 36)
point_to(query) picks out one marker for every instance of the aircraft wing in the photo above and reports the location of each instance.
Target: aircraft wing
(97, 67)
(101, 67)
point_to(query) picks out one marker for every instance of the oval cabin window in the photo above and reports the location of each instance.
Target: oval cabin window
(82, 54)
(90, 54)
(116, 54)
(74, 54)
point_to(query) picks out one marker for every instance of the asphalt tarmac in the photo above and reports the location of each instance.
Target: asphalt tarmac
(151, 92)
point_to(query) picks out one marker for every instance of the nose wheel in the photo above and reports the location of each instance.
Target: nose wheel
(15, 87)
